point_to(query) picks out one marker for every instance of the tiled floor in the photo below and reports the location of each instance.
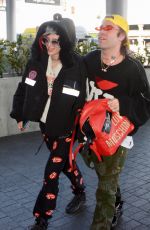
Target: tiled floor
(21, 173)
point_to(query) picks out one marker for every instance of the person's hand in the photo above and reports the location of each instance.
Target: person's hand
(114, 105)
(21, 127)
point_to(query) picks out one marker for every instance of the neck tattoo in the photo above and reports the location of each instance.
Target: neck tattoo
(105, 67)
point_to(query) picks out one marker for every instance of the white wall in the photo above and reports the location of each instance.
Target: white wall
(8, 126)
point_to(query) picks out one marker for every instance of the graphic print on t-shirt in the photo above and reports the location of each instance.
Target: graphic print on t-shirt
(96, 89)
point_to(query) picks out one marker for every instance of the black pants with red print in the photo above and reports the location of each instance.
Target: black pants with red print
(58, 162)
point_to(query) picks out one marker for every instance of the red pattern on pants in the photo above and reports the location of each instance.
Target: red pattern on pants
(58, 162)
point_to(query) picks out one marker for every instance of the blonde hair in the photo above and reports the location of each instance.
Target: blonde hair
(124, 49)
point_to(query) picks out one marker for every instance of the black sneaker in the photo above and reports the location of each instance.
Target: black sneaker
(76, 203)
(117, 214)
(40, 224)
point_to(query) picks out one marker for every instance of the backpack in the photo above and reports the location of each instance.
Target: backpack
(105, 130)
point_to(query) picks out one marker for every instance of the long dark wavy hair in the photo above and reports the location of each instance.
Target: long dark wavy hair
(39, 51)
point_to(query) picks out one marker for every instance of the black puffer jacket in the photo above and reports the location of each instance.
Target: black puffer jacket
(29, 101)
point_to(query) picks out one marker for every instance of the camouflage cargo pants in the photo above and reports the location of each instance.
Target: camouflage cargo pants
(108, 172)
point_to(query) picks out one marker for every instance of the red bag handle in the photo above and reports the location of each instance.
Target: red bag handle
(72, 155)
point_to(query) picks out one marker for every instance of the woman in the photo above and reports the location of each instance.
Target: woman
(51, 92)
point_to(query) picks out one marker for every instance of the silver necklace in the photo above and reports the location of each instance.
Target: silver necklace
(105, 67)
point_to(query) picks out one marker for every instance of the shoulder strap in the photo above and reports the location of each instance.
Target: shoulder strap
(72, 155)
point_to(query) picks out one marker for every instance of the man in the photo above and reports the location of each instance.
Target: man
(114, 74)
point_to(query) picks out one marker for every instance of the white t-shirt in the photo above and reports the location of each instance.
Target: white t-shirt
(54, 73)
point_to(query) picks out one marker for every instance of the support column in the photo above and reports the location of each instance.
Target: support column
(116, 7)
(11, 20)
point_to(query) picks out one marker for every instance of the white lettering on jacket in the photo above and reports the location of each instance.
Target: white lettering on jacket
(29, 81)
(70, 91)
